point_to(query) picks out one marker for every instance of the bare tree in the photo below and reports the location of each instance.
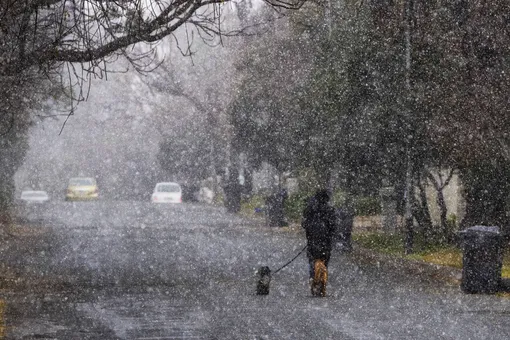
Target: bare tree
(86, 31)
(213, 127)
(69, 41)
(66, 42)
(440, 183)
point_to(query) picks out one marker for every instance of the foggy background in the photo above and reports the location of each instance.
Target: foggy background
(115, 134)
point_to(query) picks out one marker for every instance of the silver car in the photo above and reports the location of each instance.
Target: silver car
(31, 196)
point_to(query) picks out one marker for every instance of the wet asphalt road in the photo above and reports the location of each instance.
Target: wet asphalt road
(132, 270)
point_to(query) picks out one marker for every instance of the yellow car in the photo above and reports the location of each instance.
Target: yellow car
(82, 188)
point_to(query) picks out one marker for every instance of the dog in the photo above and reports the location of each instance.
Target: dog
(320, 278)
(264, 280)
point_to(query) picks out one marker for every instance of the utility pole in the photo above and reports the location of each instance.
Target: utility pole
(211, 121)
(409, 189)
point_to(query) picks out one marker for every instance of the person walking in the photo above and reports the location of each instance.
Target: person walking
(345, 216)
(320, 223)
(232, 190)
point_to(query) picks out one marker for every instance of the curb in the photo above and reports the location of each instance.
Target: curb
(23, 230)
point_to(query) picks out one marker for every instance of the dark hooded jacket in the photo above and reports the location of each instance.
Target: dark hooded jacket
(319, 222)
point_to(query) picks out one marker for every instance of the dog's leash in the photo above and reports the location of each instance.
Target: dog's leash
(295, 257)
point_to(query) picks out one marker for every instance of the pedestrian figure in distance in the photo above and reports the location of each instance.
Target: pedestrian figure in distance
(345, 215)
(319, 222)
(280, 212)
(232, 192)
(275, 208)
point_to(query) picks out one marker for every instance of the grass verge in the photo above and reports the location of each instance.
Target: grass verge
(444, 255)
(253, 206)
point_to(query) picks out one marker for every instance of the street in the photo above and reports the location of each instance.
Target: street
(132, 270)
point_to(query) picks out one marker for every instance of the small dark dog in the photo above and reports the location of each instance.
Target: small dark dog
(264, 280)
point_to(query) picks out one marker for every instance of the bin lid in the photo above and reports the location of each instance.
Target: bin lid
(481, 229)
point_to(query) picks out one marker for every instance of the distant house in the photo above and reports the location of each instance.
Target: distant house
(452, 193)
(267, 178)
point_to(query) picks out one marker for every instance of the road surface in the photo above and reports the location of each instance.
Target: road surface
(132, 270)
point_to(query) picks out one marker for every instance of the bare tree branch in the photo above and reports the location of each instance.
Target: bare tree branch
(85, 31)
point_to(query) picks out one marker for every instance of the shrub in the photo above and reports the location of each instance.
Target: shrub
(367, 206)
(218, 199)
(294, 206)
(338, 198)
(451, 228)
(386, 243)
(363, 206)
(253, 205)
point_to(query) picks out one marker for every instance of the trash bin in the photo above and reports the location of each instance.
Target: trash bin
(482, 259)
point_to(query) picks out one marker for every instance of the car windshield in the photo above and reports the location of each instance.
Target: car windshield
(168, 188)
(34, 194)
(81, 181)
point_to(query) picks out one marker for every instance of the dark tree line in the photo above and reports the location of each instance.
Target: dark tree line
(350, 110)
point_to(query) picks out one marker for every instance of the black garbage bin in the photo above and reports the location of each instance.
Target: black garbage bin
(482, 259)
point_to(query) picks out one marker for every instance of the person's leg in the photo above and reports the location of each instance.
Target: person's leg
(310, 260)
(325, 277)
(326, 258)
(311, 263)
(348, 241)
(312, 281)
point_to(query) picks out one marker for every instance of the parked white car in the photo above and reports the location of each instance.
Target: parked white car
(30, 196)
(167, 192)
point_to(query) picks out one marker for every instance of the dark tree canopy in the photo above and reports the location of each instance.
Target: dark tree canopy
(359, 114)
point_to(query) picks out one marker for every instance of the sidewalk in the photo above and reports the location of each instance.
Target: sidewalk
(428, 272)
(18, 238)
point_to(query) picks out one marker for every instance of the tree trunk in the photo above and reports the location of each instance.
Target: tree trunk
(443, 211)
(323, 171)
(439, 185)
(408, 213)
(423, 215)
(409, 190)
(13, 147)
(6, 194)
(248, 180)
